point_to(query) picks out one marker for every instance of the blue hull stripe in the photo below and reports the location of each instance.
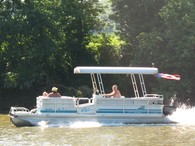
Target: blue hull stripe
(137, 111)
(52, 111)
(110, 111)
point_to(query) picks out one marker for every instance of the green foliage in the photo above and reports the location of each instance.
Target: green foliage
(41, 42)
(160, 32)
(135, 18)
(107, 48)
(179, 35)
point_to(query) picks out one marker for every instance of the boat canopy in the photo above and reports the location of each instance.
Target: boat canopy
(114, 70)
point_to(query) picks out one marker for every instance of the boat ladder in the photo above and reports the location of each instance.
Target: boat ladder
(141, 78)
(134, 85)
(101, 86)
(94, 83)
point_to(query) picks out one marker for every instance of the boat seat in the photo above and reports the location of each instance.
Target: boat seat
(45, 104)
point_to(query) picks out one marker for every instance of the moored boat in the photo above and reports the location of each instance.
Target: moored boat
(147, 108)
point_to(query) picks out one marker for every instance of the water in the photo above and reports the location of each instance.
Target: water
(96, 134)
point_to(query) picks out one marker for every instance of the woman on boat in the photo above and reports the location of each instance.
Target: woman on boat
(115, 92)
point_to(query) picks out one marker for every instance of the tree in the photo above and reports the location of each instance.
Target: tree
(173, 46)
(179, 35)
(107, 48)
(43, 41)
(134, 17)
(28, 40)
(159, 32)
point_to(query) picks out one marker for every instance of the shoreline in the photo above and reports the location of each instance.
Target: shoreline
(3, 112)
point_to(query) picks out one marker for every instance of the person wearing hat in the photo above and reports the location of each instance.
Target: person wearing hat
(54, 93)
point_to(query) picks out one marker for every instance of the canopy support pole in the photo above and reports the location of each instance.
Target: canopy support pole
(101, 86)
(94, 83)
(141, 78)
(134, 85)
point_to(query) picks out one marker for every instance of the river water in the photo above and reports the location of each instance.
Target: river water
(96, 134)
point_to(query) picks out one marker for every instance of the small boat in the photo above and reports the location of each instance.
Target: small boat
(145, 109)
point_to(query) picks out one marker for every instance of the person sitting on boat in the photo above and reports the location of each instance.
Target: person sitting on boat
(115, 92)
(54, 93)
(171, 101)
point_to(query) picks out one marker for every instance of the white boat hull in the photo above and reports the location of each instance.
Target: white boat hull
(53, 119)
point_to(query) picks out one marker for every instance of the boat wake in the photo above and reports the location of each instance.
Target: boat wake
(94, 124)
(184, 115)
(78, 124)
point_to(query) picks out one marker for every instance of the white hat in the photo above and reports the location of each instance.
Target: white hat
(54, 89)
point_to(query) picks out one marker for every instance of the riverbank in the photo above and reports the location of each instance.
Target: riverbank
(4, 112)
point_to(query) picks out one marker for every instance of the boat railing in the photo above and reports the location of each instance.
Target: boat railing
(153, 95)
(74, 105)
(83, 100)
(18, 109)
(130, 105)
(60, 104)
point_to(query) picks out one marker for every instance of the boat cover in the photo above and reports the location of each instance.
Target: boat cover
(114, 70)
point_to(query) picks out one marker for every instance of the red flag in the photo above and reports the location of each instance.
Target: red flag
(168, 76)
